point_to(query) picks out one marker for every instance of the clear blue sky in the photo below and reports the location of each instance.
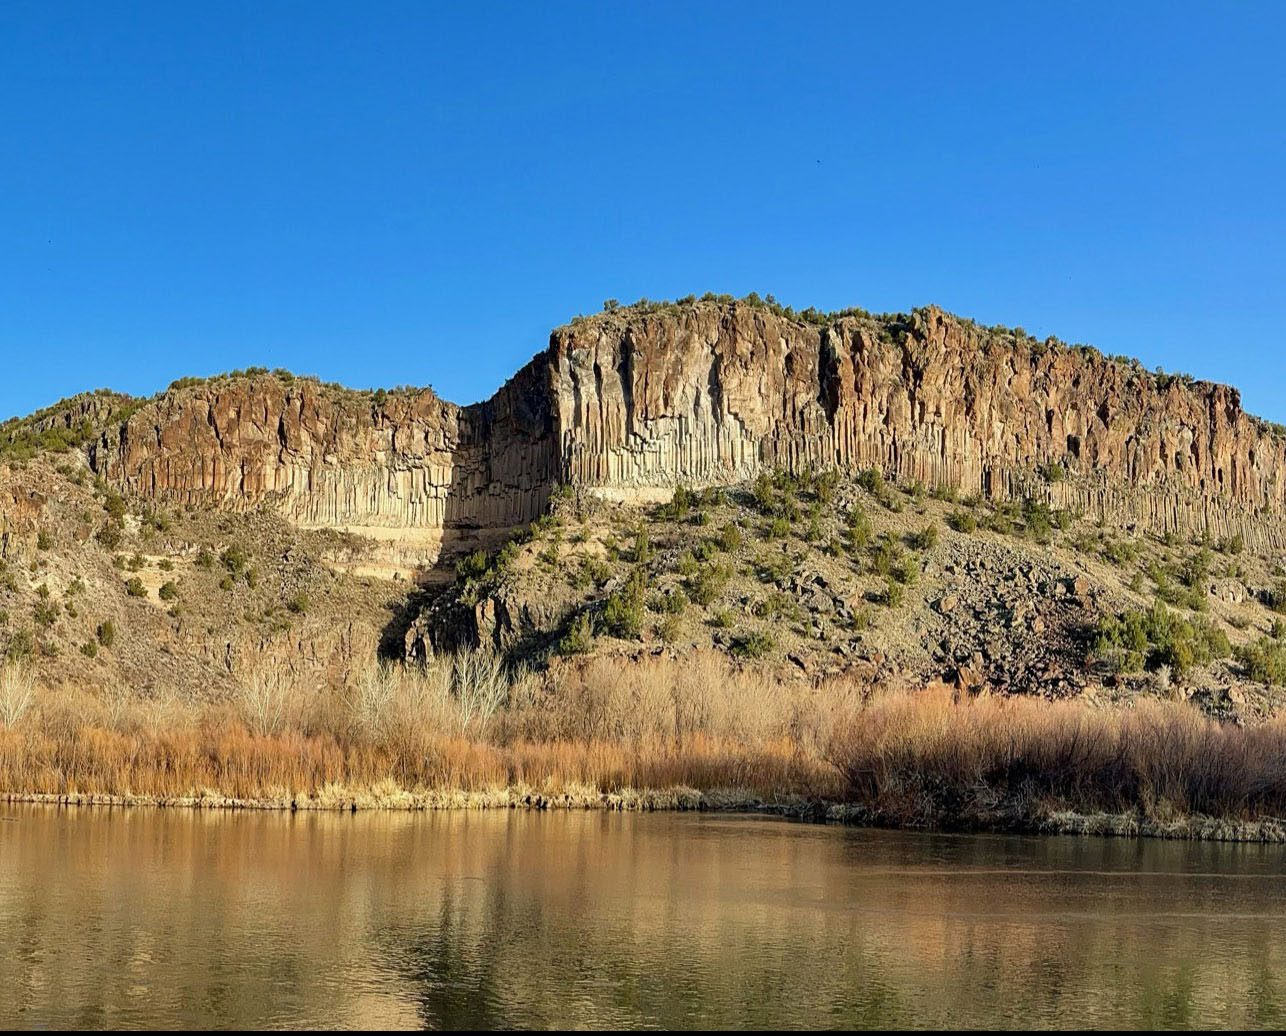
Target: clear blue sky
(413, 193)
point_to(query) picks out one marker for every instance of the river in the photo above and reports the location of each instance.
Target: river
(170, 918)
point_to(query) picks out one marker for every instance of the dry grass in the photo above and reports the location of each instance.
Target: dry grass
(461, 724)
(931, 759)
(466, 731)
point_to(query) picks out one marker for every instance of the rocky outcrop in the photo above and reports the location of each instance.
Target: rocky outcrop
(714, 392)
(325, 456)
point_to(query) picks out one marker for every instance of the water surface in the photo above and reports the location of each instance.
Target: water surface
(176, 918)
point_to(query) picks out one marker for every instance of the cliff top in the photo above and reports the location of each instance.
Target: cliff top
(893, 326)
(72, 422)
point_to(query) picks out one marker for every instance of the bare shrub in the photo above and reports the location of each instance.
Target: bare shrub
(264, 697)
(17, 692)
(480, 684)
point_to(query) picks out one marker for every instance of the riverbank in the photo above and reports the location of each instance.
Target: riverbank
(1194, 828)
(667, 734)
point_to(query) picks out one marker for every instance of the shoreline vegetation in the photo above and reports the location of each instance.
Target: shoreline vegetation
(692, 733)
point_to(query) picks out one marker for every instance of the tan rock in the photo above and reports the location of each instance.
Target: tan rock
(707, 393)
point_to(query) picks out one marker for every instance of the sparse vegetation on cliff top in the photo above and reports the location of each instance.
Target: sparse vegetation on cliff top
(892, 327)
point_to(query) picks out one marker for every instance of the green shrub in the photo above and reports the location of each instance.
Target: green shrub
(752, 645)
(906, 569)
(114, 505)
(599, 570)
(1002, 518)
(777, 529)
(1195, 570)
(705, 585)
(1264, 661)
(44, 540)
(1179, 594)
(774, 567)
(729, 538)
(1233, 544)
(872, 480)
(20, 646)
(857, 531)
(550, 554)
(1038, 520)
(670, 603)
(680, 504)
(579, 638)
(298, 604)
(924, 539)
(1158, 637)
(763, 494)
(623, 610)
(776, 605)
(1274, 597)
(670, 629)
(1118, 552)
(824, 485)
(106, 633)
(505, 557)
(135, 588)
(884, 555)
(472, 566)
(723, 619)
(705, 550)
(892, 595)
(89, 649)
(168, 592)
(110, 535)
(233, 559)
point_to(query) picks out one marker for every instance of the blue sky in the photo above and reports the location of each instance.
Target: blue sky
(405, 193)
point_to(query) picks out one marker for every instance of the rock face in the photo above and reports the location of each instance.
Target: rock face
(712, 392)
(330, 457)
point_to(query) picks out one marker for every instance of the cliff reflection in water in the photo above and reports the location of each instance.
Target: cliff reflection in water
(143, 917)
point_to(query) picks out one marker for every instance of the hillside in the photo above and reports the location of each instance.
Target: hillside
(902, 497)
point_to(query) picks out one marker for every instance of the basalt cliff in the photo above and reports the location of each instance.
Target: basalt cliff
(632, 402)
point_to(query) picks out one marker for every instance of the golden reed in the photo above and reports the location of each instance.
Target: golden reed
(649, 733)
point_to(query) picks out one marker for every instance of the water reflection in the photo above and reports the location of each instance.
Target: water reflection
(157, 918)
